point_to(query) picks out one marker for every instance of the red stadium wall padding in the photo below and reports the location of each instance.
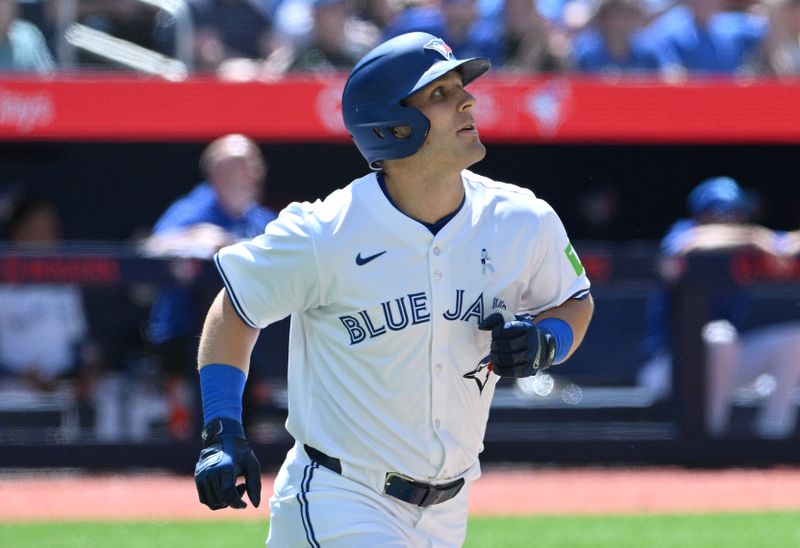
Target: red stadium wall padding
(511, 109)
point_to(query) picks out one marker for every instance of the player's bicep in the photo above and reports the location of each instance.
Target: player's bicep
(557, 273)
(226, 338)
(273, 275)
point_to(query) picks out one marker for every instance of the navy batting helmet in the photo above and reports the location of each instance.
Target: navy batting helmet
(396, 69)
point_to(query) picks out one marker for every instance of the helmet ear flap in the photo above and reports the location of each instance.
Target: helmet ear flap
(385, 140)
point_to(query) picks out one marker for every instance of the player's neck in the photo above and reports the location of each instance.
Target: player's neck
(426, 199)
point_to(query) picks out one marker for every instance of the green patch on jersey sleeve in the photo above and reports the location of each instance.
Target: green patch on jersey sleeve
(573, 259)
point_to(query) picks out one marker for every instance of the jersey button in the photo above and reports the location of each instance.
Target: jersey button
(437, 275)
(437, 423)
(438, 368)
(437, 251)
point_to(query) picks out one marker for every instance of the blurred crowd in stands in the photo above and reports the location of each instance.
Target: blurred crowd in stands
(266, 39)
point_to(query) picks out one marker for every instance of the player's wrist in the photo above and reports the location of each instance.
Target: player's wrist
(562, 336)
(221, 426)
(221, 389)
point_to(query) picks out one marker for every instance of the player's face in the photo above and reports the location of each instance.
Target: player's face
(453, 135)
(238, 183)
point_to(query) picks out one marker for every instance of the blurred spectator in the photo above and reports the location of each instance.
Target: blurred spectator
(223, 209)
(734, 356)
(780, 51)
(454, 21)
(44, 335)
(570, 15)
(337, 40)
(42, 326)
(380, 13)
(614, 41)
(229, 29)
(517, 38)
(417, 15)
(697, 37)
(460, 18)
(528, 41)
(22, 46)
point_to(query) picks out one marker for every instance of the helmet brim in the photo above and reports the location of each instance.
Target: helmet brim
(470, 69)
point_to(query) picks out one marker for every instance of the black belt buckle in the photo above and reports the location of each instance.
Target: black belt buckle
(420, 494)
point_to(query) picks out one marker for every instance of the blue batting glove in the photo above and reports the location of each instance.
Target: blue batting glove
(519, 348)
(226, 455)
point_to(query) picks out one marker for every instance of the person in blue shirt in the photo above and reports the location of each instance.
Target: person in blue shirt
(457, 22)
(230, 29)
(219, 211)
(698, 38)
(512, 35)
(522, 40)
(736, 355)
(614, 42)
(228, 200)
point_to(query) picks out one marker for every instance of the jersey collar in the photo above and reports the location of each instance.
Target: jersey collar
(434, 227)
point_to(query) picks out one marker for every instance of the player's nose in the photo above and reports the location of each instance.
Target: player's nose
(467, 102)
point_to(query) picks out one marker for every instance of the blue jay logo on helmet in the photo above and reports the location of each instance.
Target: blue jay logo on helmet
(437, 44)
(373, 97)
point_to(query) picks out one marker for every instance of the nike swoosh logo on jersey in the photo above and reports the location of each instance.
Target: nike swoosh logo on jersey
(361, 261)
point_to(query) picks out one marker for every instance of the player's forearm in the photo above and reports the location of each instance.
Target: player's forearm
(577, 313)
(226, 339)
(721, 237)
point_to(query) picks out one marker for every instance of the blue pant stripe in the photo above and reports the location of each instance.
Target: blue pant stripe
(308, 473)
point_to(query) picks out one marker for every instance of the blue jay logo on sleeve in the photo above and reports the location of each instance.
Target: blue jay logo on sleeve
(438, 45)
(486, 262)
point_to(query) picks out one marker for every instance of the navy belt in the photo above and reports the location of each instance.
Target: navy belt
(397, 485)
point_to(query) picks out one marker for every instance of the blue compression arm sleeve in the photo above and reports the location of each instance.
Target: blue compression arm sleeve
(562, 334)
(222, 387)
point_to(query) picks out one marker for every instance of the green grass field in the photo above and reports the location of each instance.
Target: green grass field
(772, 530)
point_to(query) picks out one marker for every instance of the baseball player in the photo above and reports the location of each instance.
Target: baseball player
(735, 354)
(402, 288)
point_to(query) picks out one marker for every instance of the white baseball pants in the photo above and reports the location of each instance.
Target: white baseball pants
(313, 506)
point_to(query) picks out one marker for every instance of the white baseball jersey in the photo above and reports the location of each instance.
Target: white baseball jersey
(385, 350)
(41, 327)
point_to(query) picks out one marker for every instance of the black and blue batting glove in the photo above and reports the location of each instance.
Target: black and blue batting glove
(519, 348)
(226, 455)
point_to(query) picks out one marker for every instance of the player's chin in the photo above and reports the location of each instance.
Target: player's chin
(477, 152)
